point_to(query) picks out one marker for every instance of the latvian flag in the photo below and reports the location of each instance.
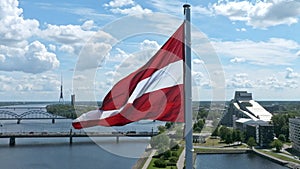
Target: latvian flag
(154, 91)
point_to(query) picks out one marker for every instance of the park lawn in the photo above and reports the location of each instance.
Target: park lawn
(151, 165)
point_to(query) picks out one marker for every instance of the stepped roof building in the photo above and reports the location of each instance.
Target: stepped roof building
(247, 115)
(244, 108)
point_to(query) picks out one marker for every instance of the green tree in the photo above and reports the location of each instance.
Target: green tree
(161, 129)
(202, 114)
(281, 123)
(251, 142)
(277, 144)
(215, 132)
(282, 138)
(199, 125)
(228, 137)
(223, 132)
(168, 125)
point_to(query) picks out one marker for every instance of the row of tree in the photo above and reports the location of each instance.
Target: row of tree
(229, 135)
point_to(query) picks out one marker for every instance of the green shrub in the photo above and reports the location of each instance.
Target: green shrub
(174, 154)
(160, 163)
(173, 159)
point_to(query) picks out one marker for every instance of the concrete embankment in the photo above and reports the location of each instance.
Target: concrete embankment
(279, 161)
(220, 151)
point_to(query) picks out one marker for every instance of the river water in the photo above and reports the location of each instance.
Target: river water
(84, 153)
(234, 161)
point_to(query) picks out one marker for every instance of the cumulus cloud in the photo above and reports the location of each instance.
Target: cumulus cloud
(29, 83)
(52, 47)
(259, 14)
(14, 28)
(66, 34)
(67, 48)
(149, 45)
(88, 25)
(290, 74)
(126, 7)
(237, 60)
(33, 58)
(240, 80)
(198, 61)
(137, 9)
(16, 52)
(119, 3)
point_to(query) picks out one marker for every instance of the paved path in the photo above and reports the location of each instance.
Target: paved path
(180, 162)
(149, 159)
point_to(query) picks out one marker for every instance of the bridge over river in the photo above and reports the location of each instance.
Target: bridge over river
(27, 113)
(13, 135)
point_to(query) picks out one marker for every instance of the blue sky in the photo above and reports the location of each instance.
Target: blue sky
(257, 44)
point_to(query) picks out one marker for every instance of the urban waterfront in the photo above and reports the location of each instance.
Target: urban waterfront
(97, 153)
(234, 161)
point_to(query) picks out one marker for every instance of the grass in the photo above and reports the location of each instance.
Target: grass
(151, 165)
(276, 155)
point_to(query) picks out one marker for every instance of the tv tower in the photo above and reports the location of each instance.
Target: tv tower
(61, 97)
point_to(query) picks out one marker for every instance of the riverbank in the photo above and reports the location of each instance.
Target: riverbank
(289, 164)
(213, 150)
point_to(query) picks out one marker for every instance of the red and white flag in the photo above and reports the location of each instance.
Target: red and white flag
(154, 92)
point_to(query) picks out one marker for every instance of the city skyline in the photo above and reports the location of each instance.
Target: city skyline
(256, 43)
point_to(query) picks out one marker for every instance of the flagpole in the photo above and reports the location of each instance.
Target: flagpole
(188, 90)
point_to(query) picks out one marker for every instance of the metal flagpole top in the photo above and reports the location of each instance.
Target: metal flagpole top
(186, 5)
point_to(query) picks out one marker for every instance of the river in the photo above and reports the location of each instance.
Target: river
(234, 161)
(56, 153)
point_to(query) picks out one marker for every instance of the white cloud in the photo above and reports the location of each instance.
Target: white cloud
(30, 83)
(237, 60)
(67, 48)
(119, 3)
(52, 47)
(275, 51)
(66, 34)
(33, 58)
(14, 28)
(149, 45)
(137, 9)
(260, 14)
(239, 80)
(88, 25)
(290, 74)
(2, 58)
(241, 29)
(126, 7)
(198, 61)
(17, 53)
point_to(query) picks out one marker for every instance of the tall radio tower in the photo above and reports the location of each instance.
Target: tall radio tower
(61, 97)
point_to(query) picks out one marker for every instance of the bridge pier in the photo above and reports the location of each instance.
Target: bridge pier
(117, 139)
(12, 141)
(53, 121)
(18, 121)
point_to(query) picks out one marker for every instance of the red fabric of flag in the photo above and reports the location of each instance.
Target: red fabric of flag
(154, 91)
